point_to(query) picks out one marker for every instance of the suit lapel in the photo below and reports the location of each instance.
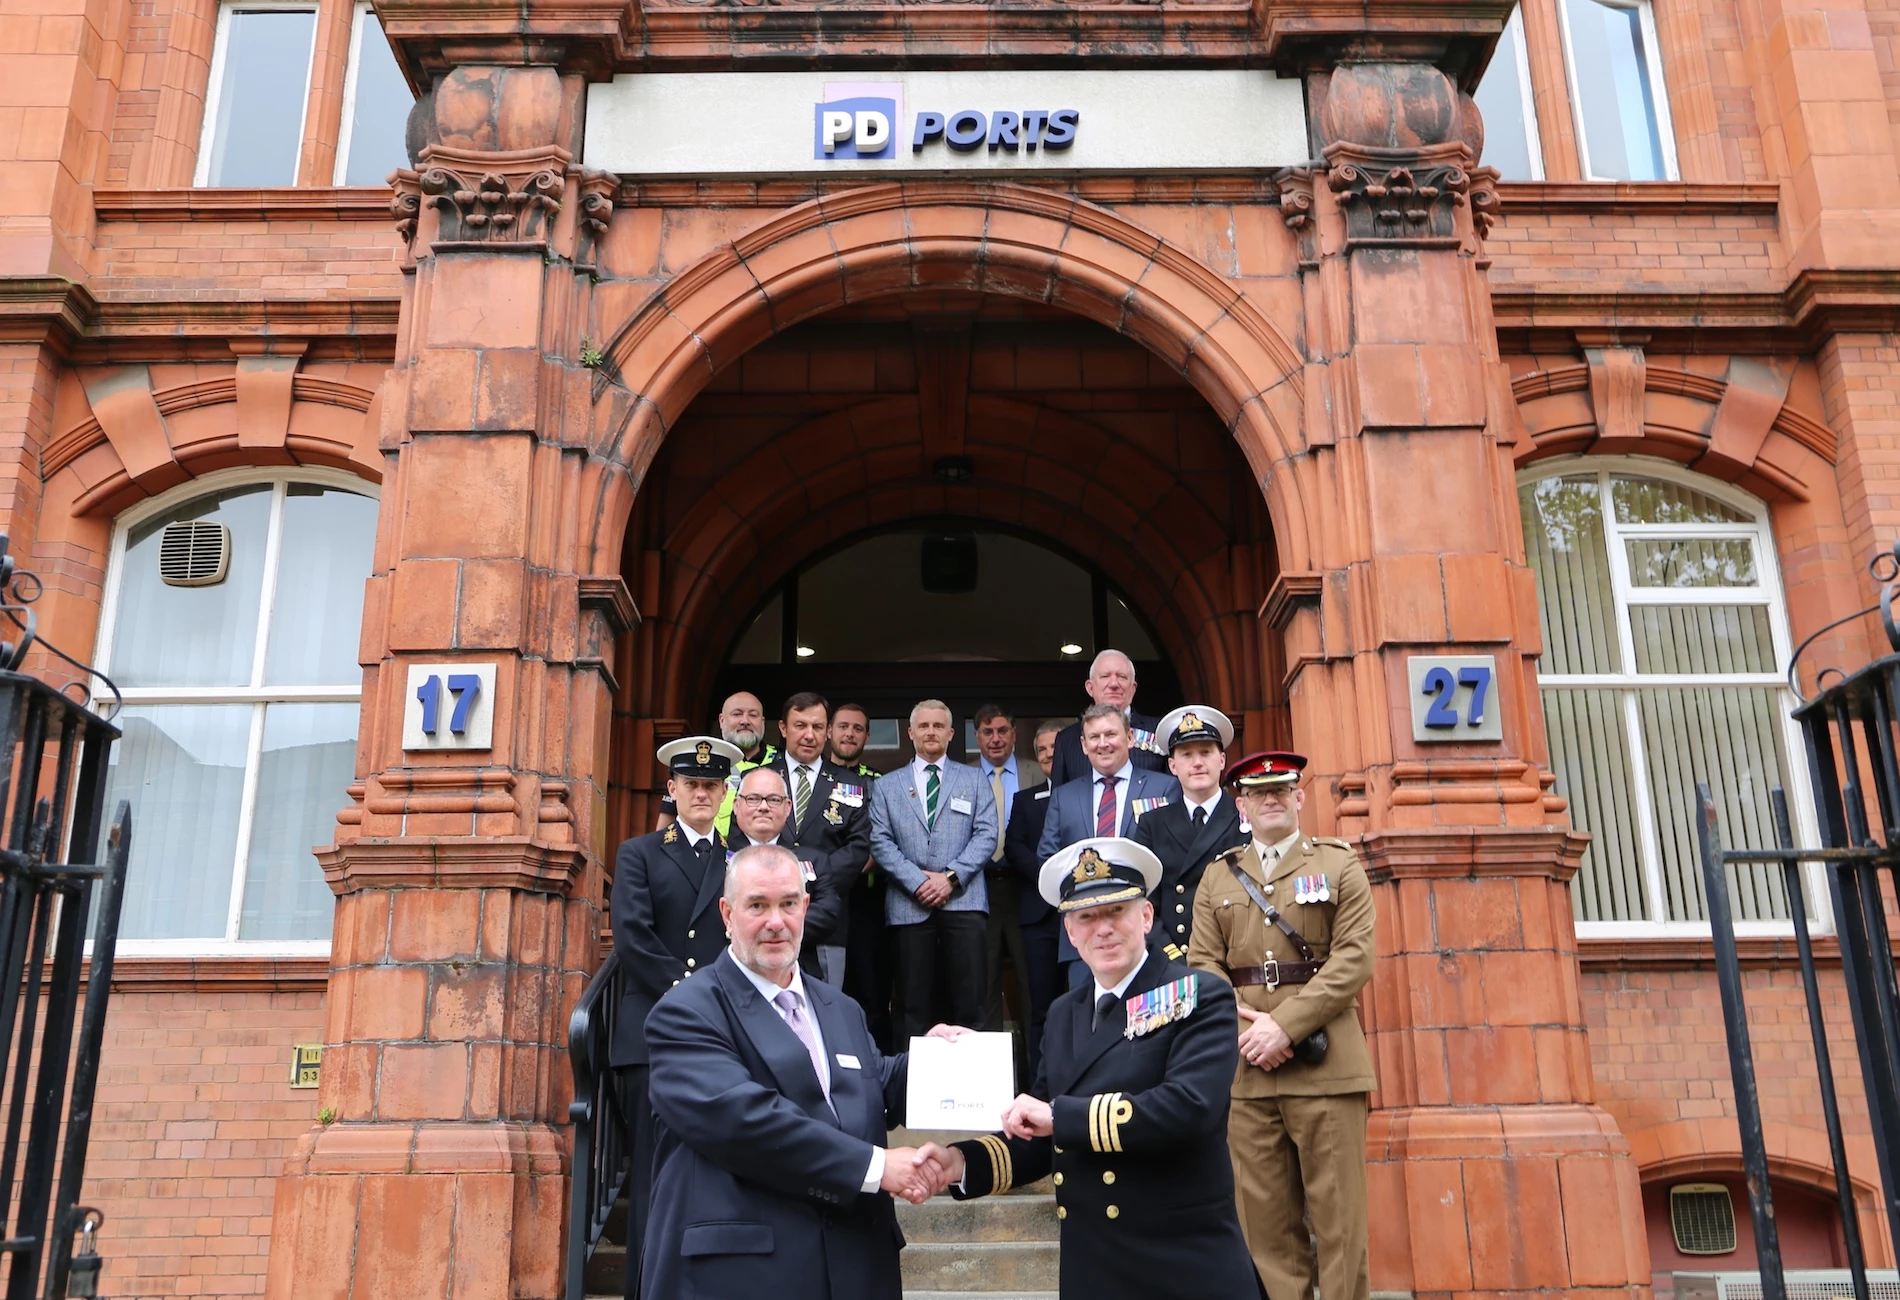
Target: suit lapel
(714, 877)
(849, 1098)
(1090, 1044)
(679, 852)
(1222, 822)
(1289, 861)
(814, 805)
(1137, 782)
(777, 1045)
(917, 796)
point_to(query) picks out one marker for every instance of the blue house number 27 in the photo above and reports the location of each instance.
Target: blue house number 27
(1443, 686)
(463, 688)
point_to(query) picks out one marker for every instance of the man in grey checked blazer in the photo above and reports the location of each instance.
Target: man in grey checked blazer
(933, 829)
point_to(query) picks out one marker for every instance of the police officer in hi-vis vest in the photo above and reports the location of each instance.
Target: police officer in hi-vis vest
(1287, 919)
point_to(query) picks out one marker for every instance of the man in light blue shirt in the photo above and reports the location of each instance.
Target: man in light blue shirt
(996, 764)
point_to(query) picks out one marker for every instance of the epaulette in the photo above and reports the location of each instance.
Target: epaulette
(1232, 856)
(1328, 839)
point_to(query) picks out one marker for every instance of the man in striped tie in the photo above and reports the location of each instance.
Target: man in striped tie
(933, 829)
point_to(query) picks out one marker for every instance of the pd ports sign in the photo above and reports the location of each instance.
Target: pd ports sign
(765, 124)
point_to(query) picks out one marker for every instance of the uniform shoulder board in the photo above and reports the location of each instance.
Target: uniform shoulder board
(1331, 842)
(1232, 856)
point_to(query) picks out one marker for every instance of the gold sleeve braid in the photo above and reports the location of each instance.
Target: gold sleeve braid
(1108, 1111)
(1002, 1173)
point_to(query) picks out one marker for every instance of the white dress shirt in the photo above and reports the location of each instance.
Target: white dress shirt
(1122, 987)
(693, 838)
(1122, 780)
(874, 1175)
(1212, 802)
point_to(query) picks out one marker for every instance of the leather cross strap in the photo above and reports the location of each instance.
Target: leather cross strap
(1274, 974)
(1300, 945)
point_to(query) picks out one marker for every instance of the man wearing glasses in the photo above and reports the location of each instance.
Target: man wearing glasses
(1287, 919)
(760, 812)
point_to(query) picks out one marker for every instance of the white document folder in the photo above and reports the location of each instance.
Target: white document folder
(963, 1085)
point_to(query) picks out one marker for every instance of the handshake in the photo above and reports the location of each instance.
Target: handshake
(919, 1173)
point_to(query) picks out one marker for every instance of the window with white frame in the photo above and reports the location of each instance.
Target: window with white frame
(1616, 90)
(376, 104)
(260, 84)
(231, 624)
(1509, 110)
(1663, 630)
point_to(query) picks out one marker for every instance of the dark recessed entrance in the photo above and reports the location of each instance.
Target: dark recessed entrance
(961, 611)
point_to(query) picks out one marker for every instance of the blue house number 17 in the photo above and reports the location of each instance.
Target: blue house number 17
(1440, 683)
(462, 690)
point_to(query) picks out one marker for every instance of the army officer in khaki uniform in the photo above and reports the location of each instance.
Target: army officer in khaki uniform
(1287, 919)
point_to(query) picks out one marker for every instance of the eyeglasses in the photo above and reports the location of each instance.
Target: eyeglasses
(758, 801)
(1273, 794)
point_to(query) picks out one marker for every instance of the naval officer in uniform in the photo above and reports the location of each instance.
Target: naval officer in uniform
(1188, 833)
(665, 914)
(1129, 1107)
(1287, 919)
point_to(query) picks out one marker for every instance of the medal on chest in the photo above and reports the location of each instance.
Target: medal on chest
(1173, 1001)
(1312, 889)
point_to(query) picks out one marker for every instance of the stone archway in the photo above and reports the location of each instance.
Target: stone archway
(929, 236)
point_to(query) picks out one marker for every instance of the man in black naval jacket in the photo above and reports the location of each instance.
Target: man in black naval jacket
(1192, 831)
(665, 913)
(1027, 813)
(1129, 1108)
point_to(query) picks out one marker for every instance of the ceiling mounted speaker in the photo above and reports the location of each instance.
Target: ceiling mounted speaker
(949, 563)
(194, 553)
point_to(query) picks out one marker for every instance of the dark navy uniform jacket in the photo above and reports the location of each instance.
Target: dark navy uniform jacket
(1169, 833)
(665, 912)
(756, 1179)
(1144, 1184)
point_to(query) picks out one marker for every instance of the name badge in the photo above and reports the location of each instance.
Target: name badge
(960, 805)
(848, 1061)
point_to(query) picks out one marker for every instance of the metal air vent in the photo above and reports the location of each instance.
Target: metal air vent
(1702, 1215)
(194, 553)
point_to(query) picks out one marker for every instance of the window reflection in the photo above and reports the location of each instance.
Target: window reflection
(1510, 113)
(1613, 86)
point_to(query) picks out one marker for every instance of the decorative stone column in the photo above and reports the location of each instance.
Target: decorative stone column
(467, 867)
(1492, 1169)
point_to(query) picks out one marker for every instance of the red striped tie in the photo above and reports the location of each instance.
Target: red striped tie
(1105, 811)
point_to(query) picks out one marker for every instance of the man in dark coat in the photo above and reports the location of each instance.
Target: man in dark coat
(1130, 1107)
(1111, 680)
(773, 1104)
(1198, 827)
(1036, 918)
(829, 826)
(666, 925)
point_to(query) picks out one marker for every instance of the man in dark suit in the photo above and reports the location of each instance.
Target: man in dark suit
(1003, 941)
(666, 925)
(1111, 801)
(1130, 1107)
(1040, 929)
(773, 1104)
(867, 965)
(1198, 827)
(1111, 680)
(829, 826)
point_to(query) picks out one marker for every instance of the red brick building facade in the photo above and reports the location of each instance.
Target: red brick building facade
(1620, 420)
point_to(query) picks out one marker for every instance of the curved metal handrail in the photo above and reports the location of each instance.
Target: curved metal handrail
(601, 1136)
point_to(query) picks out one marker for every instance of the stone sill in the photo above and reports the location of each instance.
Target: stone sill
(287, 203)
(1757, 952)
(1627, 197)
(219, 974)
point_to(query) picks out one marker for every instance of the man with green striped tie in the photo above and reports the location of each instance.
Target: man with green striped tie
(933, 830)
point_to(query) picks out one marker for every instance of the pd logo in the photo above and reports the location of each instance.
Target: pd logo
(857, 120)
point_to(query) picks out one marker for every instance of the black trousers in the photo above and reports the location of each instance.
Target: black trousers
(939, 965)
(1046, 980)
(867, 962)
(639, 1113)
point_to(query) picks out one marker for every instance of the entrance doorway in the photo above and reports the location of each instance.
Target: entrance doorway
(1080, 491)
(950, 609)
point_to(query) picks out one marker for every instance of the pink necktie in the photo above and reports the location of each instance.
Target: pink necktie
(788, 1007)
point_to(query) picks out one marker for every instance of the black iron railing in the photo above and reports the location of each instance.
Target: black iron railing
(1850, 731)
(601, 1134)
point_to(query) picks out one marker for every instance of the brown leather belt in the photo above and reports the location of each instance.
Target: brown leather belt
(1274, 973)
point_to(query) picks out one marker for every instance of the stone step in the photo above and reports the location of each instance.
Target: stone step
(963, 1267)
(989, 1219)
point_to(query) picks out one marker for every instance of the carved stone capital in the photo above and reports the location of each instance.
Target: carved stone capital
(595, 209)
(1296, 197)
(1401, 197)
(502, 197)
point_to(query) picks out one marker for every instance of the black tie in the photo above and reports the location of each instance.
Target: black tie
(1103, 1005)
(701, 848)
(1200, 820)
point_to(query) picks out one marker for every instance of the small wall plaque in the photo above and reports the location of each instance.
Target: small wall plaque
(1454, 698)
(449, 706)
(306, 1059)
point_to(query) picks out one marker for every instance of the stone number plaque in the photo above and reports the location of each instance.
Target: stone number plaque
(449, 706)
(1454, 698)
